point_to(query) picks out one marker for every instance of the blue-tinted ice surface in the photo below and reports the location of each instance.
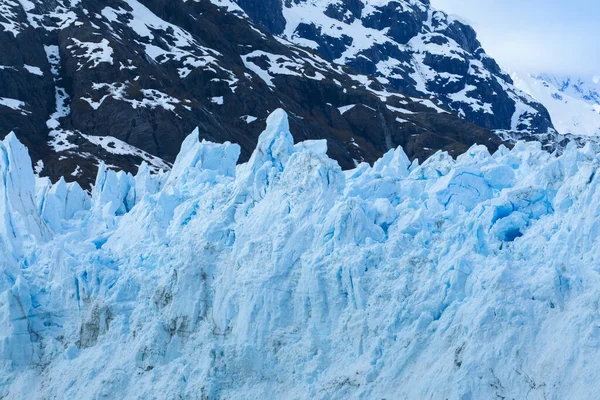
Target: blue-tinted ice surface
(286, 277)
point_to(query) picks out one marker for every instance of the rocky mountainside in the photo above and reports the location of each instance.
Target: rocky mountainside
(411, 47)
(573, 103)
(124, 81)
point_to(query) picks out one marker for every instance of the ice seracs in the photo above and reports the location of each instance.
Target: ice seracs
(286, 277)
(20, 216)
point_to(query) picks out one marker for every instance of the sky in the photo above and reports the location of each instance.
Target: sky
(535, 36)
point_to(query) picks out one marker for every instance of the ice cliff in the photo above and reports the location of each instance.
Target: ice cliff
(286, 277)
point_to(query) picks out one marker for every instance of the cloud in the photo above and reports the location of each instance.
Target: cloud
(552, 36)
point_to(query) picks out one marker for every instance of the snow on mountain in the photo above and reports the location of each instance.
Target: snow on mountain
(573, 103)
(286, 277)
(123, 82)
(409, 46)
(586, 89)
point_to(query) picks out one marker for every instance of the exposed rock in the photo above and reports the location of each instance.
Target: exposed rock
(413, 48)
(125, 82)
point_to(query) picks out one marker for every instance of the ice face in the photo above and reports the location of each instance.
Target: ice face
(19, 216)
(286, 277)
(203, 160)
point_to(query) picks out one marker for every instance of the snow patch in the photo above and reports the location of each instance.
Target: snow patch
(119, 147)
(92, 53)
(345, 109)
(14, 104)
(248, 119)
(217, 100)
(33, 70)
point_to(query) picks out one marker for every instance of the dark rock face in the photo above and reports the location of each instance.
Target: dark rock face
(266, 13)
(415, 49)
(403, 23)
(125, 82)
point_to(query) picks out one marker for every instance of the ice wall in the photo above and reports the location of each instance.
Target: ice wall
(286, 277)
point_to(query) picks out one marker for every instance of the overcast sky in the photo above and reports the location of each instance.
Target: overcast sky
(539, 36)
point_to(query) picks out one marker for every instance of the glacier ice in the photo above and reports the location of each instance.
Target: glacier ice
(286, 277)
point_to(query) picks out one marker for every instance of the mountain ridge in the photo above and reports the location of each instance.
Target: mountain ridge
(125, 81)
(411, 47)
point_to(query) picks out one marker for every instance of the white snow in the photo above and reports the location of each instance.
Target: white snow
(9, 10)
(229, 5)
(345, 109)
(152, 98)
(405, 64)
(399, 109)
(475, 104)
(33, 70)
(53, 16)
(59, 138)
(572, 109)
(175, 43)
(277, 65)
(39, 167)
(430, 104)
(143, 21)
(248, 119)
(14, 104)
(93, 53)
(188, 59)
(217, 100)
(119, 147)
(313, 12)
(76, 172)
(53, 56)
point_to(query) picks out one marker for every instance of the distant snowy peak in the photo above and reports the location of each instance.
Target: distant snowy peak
(408, 46)
(584, 88)
(573, 102)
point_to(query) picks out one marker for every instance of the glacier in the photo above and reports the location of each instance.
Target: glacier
(286, 277)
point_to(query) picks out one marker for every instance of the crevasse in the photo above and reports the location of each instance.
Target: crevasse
(286, 277)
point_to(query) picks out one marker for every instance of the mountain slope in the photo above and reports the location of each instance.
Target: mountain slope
(286, 277)
(125, 81)
(411, 47)
(573, 103)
